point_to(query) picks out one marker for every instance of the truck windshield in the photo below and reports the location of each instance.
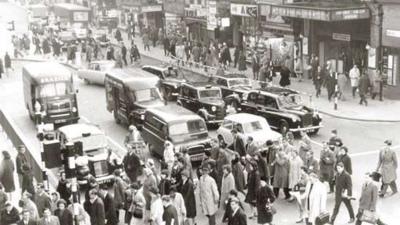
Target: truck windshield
(55, 89)
(145, 95)
(210, 93)
(189, 127)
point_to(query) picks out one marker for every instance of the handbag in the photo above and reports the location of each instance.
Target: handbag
(138, 211)
(368, 216)
(322, 219)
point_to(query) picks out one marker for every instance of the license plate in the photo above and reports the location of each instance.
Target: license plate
(61, 121)
(310, 131)
(197, 157)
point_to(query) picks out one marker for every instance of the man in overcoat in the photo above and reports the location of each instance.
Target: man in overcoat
(209, 196)
(387, 164)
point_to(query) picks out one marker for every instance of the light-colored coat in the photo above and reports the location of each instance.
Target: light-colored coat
(53, 220)
(354, 75)
(295, 171)
(209, 195)
(180, 207)
(316, 199)
(388, 165)
(228, 183)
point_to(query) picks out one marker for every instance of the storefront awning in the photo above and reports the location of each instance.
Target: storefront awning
(190, 20)
(322, 11)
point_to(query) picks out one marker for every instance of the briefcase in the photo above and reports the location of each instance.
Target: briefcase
(368, 217)
(322, 219)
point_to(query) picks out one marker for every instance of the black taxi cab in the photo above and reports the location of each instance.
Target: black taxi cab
(183, 128)
(129, 92)
(233, 86)
(204, 99)
(282, 108)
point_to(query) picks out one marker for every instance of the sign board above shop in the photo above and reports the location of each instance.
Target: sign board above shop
(341, 37)
(151, 8)
(244, 10)
(322, 14)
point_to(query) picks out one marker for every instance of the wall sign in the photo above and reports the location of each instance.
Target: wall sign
(244, 10)
(151, 8)
(341, 37)
(393, 33)
(212, 22)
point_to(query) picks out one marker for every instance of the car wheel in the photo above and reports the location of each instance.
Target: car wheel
(283, 127)
(86, 81)
(117, 120)
(221, 140)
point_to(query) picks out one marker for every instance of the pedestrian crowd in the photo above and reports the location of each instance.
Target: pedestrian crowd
(228, 177)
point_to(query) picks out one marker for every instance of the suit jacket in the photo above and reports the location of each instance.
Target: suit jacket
(343, 183)
(96, 212)
(239, 146)
(52, 221)
(239, 218)
(42, 201)
(110, 210)
(65, 217)
(30, 222)
(369, 196)
(23, 160)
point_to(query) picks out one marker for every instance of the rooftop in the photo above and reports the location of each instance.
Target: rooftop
(173, 113)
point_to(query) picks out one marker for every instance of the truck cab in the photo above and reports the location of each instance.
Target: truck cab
(129, 92)
(92, 161)
(50, 92)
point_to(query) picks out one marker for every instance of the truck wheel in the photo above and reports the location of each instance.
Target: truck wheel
(283, 127)
(117, 120)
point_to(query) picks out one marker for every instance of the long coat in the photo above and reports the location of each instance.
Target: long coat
(326, 164)
(228, 184)
(9, 218)
(387, 164)
(253, 183)
(281, 176)
(209, 195)
(265, 195)
(187, 191)
(239, 218)
(119, 188)
(315, 200)
(66, 217)
(369, 196)
(7, 175)
(295, 171)
(131, 166)
(237, 171)
(96, 212)
(242, 62)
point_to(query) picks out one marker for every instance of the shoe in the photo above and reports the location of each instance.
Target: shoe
(300, 220)
(351, 220)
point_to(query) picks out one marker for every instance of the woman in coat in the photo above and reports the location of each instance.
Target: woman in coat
(64, 215)
(137, 205)
(281, 174)
(285, 77)
(295, 164)
(242, 61)
(237, 171)
(387, 165)
(315, 198)
(209, 196)
(7, 173)
(253, 183)
(83, 217)
(187, 191)
(228, 184)
(265, 196)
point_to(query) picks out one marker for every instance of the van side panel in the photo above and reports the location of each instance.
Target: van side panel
(154, 132)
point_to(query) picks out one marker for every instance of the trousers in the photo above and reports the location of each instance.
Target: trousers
(338, 202)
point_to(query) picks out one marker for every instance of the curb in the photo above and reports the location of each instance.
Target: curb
(358, 119)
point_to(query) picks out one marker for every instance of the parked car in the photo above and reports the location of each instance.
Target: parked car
(171, 79)
(203, 99)
(93, 160)
(248, 125)
(283, 108)
(95, 72)
(233, 86)
(178, 125)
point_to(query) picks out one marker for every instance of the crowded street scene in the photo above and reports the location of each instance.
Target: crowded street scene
(199, 112)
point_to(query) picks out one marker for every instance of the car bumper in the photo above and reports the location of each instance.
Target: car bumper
(306, 129)
(214, 121)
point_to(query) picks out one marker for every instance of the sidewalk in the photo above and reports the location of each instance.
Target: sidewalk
(386, 111)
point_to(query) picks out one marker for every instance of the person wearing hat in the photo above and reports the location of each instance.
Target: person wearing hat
(64, 215)
(369, 196)
(10, 215)
(387, 165)
(238, 216)
(187, 191)
(343, 192)
(110, 206)
(209, 195)
(156, 207)
(343, 157)
(272, 149)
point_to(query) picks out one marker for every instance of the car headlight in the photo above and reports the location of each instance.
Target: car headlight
(142, 117)
(213, 108)
(295, 119)
(74, 109)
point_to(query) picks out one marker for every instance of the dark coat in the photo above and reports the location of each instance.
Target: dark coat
(253, 183)
(239, 218)
(228, 210)
(119, 188)
(164, 186)
(3, 199)
(7, 175)
(9, 218)
(63, 190)
(369, 196)
(7, 61)
(30, 222)
(263, 168)
(285, 77)
(187, 191)
(327, 163)
(65, 217)
(242, 62)
(23, 163)
(42, 201)
(364, 84)
(238, 146)
(346, 160)
(96, 212)
(343, 185)
(110, 210)
(237, 171)
(131, 166)
(265, 195)
(169, 214)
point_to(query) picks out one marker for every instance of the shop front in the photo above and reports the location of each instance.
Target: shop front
(244, 24)
(196, 23)
(174, 11)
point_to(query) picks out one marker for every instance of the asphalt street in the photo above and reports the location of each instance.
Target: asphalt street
(362, 138)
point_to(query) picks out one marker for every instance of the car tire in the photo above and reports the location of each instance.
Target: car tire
(117, 120)
(221, 140)
(283, 127)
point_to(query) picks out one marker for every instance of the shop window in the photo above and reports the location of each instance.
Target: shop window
(391, 68)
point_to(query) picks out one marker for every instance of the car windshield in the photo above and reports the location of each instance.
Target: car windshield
(210, 93)
(174, 73)
(239, 82)
(145, 95)
(93, 144)
(254, 126)
(188, 127)
(55, 89)
(289, 100)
